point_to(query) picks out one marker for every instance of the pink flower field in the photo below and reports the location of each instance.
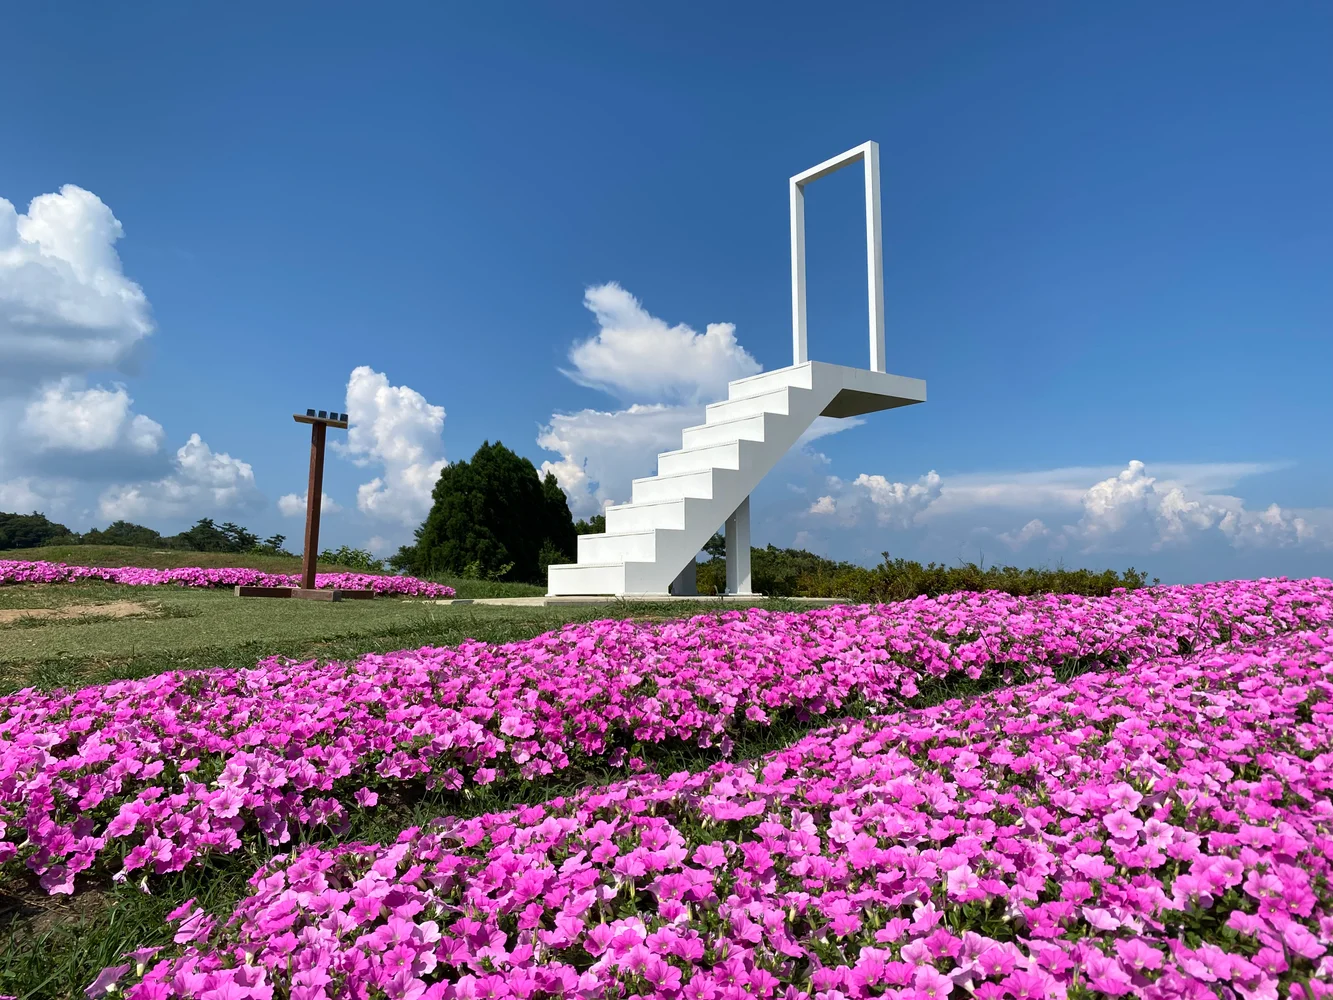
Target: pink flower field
(18, 571)
(1132, 800)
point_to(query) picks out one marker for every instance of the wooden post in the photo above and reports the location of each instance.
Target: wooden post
(319, 422)
(314, 494)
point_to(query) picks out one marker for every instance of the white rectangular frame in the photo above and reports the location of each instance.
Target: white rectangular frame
(868, 152)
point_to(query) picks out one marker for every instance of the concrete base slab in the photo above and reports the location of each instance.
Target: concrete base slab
(333, 594)
(551, 602)
(316, 595)
(246, 591)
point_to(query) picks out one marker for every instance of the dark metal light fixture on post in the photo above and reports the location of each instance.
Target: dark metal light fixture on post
(320, 421)
(319, 425)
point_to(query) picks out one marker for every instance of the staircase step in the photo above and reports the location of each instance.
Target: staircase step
(795, 375)
(714, 456)
(774, 401)
(625, 546)
(643, 516)
(671, 487)
(572, 579)
(723, 431)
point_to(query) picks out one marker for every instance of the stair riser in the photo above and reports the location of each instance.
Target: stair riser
(618, 548)
(629, 518)
(748, 406)
(750, 429)
(718, 456)
(696, 484)
(769, 381)
(568, 581)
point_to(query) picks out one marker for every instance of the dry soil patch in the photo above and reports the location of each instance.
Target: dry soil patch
(112, 609)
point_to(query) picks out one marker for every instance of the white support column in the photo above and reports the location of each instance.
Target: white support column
(799, 352)
(686, 583)
(874, 258)
(738, 550)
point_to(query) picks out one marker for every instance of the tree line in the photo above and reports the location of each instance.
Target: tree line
(35, 530)
(30, 531)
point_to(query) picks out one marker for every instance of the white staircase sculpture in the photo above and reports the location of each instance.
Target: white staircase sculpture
(651, 543)
(674, 513)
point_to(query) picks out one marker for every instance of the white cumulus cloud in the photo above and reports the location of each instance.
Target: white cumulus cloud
(1025, 535)
(899, 503)
(21, 495)
(292, 505)
(66, 418)
(824, 505)
(602, 452)
(637, 357)
(1133, 509)
(65, 304)
(1090, 509)
(889, 503)
(202, 481)
(395, 428)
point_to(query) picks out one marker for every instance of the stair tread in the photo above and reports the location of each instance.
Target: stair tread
(783, 387)
(647, 503)
(678, 475)
(623, 534)
(702, 447)
(768, 374)
(733, 420)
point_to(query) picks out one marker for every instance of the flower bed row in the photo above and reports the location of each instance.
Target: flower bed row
(145, 776)
(17, 571)
(1162, 831)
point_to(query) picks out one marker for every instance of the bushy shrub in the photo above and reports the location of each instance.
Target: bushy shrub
(797, 573)
(123, 533)
(352, 558)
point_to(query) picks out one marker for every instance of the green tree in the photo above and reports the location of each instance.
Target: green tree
(241, 539)
(273, 544)
(28, 531)
(124, 533)
(561, 535)
(595, 525)
(491, 517)
(204, 536)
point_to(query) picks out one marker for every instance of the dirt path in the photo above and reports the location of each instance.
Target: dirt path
(113, 609)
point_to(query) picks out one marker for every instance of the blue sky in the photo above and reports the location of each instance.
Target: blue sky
(1108, 237)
